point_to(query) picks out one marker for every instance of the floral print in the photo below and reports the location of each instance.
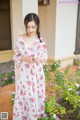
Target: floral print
(30, 89)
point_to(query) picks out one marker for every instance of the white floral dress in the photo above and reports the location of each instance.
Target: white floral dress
(30, 89)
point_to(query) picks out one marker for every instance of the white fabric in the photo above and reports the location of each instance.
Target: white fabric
(30, 89)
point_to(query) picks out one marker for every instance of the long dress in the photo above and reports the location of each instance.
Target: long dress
(30, 89)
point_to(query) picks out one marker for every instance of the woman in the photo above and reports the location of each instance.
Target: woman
(30, 56)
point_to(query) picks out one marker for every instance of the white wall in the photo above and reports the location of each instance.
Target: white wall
(18, 10)
(16, 19)
(27, 7)
(66, 20)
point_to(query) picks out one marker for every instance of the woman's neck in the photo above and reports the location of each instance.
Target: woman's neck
(34, 36)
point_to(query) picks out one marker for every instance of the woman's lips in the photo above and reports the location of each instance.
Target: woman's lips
(30, 32)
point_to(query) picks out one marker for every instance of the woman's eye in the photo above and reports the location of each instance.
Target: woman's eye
(31, 27)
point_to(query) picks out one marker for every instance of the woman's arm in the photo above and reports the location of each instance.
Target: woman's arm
(18, 52)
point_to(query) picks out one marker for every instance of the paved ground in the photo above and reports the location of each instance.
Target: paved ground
(5, 96)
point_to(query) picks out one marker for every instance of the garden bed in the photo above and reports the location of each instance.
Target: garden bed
(7, 75)
(62, 90)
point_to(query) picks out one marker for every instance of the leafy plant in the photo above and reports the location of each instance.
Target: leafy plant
(8, 78)
(63, 101)
(7, 74)
(64, 98)
(12, 99)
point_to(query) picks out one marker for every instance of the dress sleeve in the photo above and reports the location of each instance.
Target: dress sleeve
(44, 54)
(18, 53)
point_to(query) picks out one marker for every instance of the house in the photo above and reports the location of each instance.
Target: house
(59, 25)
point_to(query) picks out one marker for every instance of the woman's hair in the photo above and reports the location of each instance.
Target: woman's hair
(33, 17)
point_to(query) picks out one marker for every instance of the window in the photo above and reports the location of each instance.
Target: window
(5, 29)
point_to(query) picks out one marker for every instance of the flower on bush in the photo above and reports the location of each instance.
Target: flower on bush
(77, 85)
(44, 115)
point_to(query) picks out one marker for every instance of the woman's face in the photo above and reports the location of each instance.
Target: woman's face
(31, 28)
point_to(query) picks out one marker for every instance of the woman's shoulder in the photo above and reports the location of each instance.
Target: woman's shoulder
(43, 39)
(20, 37)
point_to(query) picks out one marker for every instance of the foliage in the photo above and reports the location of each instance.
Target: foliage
(7, 74)
(12, 99)
(63, 102)
(8, 78)
(50, 68)
(77, 61)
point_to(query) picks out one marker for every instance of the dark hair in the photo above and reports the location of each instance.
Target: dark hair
(33, 17)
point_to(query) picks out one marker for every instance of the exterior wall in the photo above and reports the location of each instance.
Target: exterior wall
(16, 19)
(47, 16)
(58, 26)
(65, 36)
(6, 55)
(19, 8)
(27, 7)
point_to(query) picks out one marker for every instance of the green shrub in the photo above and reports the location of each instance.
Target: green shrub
(63, 102)
(7, 78)
(7, 74)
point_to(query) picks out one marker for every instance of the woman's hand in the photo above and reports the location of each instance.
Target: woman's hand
(37, 59)
(32, 59)
(27, 59)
